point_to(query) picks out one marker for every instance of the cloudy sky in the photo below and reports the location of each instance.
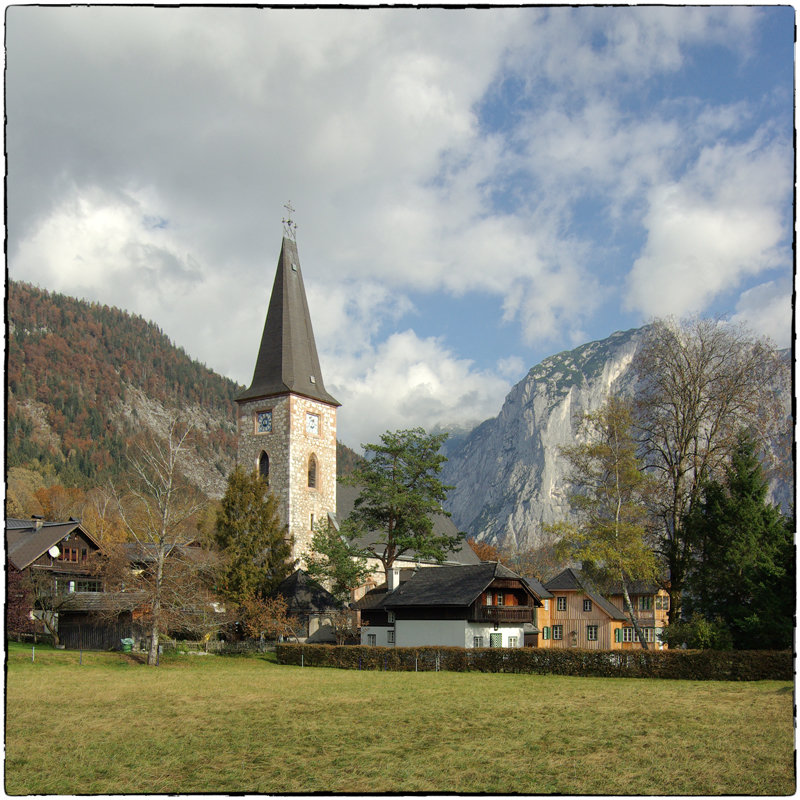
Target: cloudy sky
(474, 189)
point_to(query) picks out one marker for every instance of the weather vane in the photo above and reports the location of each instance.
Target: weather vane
(289, 225)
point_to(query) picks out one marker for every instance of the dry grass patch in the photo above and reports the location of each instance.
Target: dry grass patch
(216, 724)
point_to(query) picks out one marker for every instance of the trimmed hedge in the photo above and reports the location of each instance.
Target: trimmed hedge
(717, 665)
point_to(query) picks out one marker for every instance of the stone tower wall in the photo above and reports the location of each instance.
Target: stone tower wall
(306, 502)
(289, 446)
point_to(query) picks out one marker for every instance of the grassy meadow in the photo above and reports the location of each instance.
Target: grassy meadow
(245, 724)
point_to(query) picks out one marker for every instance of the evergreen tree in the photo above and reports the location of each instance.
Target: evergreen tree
(336, 562)
(256, 553)
(743, 571)
(400, 493)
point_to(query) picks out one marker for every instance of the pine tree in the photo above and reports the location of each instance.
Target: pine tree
(255, 548)
(400, 493)
(743, 571)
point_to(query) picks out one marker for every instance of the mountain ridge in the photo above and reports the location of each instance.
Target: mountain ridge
(82, 379)
(509, 479)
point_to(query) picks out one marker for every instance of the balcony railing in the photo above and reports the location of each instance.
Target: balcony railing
(502, 614)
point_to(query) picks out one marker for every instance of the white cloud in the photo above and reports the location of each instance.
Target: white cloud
(766, 309)
(592, 47)
(405, 382)
(721, 222)
(370, 122)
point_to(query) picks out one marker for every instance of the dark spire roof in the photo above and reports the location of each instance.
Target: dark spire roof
(287, 359)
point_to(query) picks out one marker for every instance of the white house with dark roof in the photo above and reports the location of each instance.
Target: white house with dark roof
(478, 605)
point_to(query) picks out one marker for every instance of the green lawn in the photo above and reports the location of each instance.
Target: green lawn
(232, 724)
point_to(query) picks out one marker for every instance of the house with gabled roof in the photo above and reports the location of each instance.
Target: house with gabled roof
(578, 615)
(478, 605)
(59, 552)
(311, 606)
(66, 591)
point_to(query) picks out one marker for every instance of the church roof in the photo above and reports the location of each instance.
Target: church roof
(287, 359)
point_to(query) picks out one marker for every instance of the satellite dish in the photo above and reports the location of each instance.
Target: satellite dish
(54, 552)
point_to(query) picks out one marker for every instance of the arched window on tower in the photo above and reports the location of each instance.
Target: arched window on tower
(263, 467)
(312, 471)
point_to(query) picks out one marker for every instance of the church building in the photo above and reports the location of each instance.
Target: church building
(286, 418)
(287, 427)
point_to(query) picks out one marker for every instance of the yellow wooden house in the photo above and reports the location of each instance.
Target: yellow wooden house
(577, 615)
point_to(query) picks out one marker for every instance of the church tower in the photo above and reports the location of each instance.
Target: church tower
(286, 419)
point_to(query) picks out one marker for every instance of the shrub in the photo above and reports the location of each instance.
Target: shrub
(735, 665)
(699, 633)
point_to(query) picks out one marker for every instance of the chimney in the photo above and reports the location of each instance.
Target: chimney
(393, 578)
(37, 522)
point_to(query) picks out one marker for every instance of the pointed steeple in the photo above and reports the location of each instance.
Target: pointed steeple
(287, 359)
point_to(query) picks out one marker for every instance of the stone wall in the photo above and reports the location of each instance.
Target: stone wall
(289, 446)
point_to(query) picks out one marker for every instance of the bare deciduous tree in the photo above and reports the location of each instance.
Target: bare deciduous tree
(700, 383)
(157, 510)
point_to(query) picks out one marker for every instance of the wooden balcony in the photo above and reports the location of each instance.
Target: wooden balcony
(518, 614)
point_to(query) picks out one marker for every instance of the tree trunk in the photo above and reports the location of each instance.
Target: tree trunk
(632, 616)
(152, 656)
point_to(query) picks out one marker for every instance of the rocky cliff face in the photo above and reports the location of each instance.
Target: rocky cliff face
(509, 479)
(507, 472)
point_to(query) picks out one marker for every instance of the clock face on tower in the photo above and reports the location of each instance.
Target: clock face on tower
(264, 422)
(312, 423)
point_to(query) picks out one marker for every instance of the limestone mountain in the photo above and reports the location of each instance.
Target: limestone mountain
(509, 479)
(84, 378)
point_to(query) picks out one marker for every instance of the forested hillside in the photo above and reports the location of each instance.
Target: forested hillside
(84, 378)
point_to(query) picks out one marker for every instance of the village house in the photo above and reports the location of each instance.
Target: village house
(312, 608)
(53, 564)
(479, 605)
(579, 616)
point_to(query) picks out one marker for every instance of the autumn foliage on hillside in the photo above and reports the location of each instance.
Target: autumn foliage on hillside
(74, 372)
(70, 366)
